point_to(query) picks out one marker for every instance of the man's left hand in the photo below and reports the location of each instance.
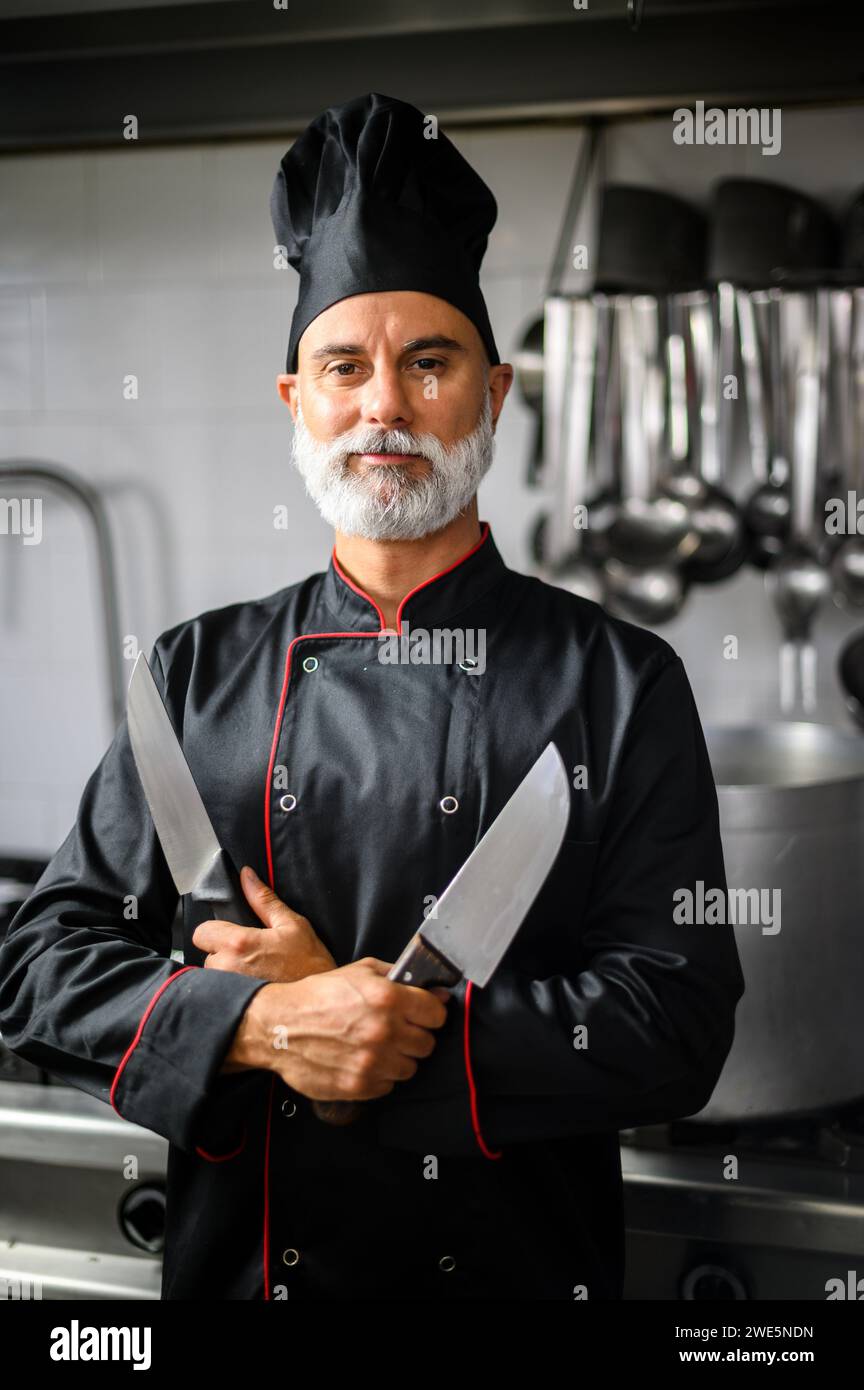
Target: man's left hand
(287, 950)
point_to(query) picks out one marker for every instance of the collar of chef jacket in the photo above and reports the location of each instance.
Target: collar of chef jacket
(436, 601)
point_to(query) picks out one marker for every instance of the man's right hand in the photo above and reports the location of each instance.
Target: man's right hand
(347, 1034)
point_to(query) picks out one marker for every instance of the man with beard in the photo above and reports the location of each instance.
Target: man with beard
(485, 1160)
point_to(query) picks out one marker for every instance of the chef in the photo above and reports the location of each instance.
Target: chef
(485, 1160)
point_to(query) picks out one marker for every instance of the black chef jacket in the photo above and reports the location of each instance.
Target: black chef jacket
(495, 1170)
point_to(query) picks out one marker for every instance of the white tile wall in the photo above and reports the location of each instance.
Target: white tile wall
(157, 263)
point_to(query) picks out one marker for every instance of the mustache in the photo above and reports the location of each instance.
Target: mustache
(331, 457)
(402, 442)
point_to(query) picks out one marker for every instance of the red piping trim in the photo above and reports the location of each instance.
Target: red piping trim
(211, 1158)
(411, 592)
(267, 1193)
(440, 574)
(475, 1122)
(275, 744)
(137, 1038)
(221, 1158)
(352, 585)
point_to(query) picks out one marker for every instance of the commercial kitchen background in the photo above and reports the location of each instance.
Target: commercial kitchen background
(158, 262)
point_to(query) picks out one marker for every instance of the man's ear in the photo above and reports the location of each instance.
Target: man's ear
(286, 385)
(500, 381)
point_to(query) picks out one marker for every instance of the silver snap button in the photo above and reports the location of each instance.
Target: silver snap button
(290, 1257)
(449, 804)
(447, 1263)
(289, 1108)
(310, 663)
(467, 664)
(288, 801)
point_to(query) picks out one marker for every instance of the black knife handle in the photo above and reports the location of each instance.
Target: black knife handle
(220, 892)
(420, 966)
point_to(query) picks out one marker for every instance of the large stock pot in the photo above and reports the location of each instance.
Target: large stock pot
(791, 799)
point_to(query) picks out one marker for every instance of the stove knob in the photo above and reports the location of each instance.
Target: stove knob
(712, 1283)
(142, 1217)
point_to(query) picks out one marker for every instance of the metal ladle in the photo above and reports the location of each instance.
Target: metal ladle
(847, 566)
(557, 347)
(801, 584)
(714, 516)
(652, 591)
(605, 500)
(648, 529)
(572, 570)
(588, 429)
(767, 510)
(645, 594)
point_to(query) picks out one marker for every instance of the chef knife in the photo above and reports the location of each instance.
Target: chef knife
(199, 865)
(477, 916)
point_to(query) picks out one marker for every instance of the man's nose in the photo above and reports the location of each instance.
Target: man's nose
(385, 402)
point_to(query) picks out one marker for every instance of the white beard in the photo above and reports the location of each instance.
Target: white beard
(389, 502)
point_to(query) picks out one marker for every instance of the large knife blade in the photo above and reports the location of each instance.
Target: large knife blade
(199, 865)
(477, 916)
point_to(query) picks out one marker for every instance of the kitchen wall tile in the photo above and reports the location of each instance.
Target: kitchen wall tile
(241, 175)
(154, 214)
(46, 218)
(18, 358)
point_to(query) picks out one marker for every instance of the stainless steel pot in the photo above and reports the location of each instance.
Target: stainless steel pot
(791, 800)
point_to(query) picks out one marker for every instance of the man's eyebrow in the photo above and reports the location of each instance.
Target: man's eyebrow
(438, 341)
(337, 350)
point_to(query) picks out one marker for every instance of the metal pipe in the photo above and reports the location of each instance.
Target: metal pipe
(74, 487)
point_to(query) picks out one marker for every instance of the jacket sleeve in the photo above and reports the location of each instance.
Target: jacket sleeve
(655, 998)
(88, 988)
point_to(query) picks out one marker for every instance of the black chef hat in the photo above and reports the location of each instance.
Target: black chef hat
(364, 201)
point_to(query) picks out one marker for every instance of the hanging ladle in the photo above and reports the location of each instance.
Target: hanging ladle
(648, 528)
(652, 591)
(714, 517)
(847, 566)
(799, 583)
(564, 528)
(767, 510)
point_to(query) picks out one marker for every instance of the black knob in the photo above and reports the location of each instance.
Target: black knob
(712, 1283)
(142, 1217)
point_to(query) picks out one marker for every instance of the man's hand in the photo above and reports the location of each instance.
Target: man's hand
(287, 950)
(350, 1034)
